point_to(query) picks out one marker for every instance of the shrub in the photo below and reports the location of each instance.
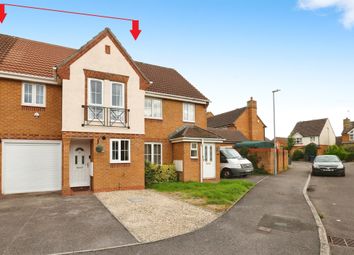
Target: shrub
(339, 151)
(310, 151)
(350, 157)
(159, 173)
(297, 155)
(244, 152)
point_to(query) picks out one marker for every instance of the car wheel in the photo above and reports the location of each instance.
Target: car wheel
(226, 173)
(343, 174)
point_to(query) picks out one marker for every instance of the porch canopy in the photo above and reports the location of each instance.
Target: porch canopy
(254, 144)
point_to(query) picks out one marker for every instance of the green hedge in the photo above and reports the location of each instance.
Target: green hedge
(297, 155)
(159, 173)
(344, 153)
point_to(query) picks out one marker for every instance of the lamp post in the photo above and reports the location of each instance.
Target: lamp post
(275, 138)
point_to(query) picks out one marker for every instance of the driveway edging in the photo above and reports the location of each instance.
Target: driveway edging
(140, 243)
(324, 245)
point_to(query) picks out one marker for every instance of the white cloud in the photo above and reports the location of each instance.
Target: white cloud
(346, 7)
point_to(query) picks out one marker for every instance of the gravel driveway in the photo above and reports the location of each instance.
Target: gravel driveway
(151, 216)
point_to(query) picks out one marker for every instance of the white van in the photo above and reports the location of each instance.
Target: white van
(233, 164)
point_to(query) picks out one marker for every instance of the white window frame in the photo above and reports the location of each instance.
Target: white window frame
(34, 94)
(297, 140)
(152, 152)
(351, 135)
(89, 92)
(123, 95)
(152, 108)
(185, 119)
(114, 161)
(193, 149)
(313, 138)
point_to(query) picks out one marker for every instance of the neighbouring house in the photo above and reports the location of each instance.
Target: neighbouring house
(281, 142)
(90, 117)
(319, 132)
(348, 132)
(245, 120)
(230, 136)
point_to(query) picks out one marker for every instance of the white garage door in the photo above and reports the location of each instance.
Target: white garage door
(30, 166)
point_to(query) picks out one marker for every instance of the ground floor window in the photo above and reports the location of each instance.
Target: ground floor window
(194, 150)
(153, 153)
(120, 151)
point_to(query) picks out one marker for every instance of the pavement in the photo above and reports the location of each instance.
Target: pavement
(50, 223)
(273, 218)
(333, 198)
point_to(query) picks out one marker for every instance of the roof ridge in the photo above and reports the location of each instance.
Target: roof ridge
(144, 63)
(36, 41)
(228, 111)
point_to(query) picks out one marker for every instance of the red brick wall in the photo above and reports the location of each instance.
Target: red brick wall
(266, 159)
(19, 122)
(159, 130)
(250, 127)
(107, 176)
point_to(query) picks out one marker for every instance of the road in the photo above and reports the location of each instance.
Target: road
(333, 198)
(273, 218)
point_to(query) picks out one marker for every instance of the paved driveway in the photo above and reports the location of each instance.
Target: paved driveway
(272, 219)
(333, 197)
(46, 224)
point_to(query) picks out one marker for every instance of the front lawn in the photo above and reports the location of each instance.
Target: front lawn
(217, 196)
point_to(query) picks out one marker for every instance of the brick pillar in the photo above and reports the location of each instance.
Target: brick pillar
(66, 166)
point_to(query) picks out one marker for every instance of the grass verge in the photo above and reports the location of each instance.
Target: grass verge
(216, 196)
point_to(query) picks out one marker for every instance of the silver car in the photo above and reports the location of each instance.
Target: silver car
(328, 165)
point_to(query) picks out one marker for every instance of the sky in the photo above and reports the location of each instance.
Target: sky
(230, 50)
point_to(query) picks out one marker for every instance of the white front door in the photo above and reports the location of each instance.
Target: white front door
(209, 169)
(80, 162)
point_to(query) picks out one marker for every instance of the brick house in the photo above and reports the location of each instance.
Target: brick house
(319, 132)
(244, 120)
(348, 132)
(90, 117)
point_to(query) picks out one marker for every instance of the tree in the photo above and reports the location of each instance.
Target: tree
(291, 143)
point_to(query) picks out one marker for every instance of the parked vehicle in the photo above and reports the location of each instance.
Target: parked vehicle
(328, 165)
(233, 164)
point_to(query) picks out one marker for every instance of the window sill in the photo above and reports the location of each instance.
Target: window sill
(34, 105)
(194, 157)
(152, 118)
(119, 162)
(189, 121)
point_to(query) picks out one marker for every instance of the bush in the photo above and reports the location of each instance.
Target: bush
(339, 151)
(253, 158)
(350, 157)
(310, 152)
(159, 173)
(297, 155)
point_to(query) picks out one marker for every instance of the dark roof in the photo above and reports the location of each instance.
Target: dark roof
(348, 128)
(193, 132)
(168, 81)
(309, 128)
(230, 136)
(24, 56)
(226, 118)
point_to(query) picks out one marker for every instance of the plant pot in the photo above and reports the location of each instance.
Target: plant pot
(99, 148)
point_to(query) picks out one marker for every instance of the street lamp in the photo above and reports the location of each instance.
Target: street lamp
(275, 138)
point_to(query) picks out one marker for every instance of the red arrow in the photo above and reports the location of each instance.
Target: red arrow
(2, 13)
(135, 31)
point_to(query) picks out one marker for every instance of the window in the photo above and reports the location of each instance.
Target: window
(153, 108)
(313, 139)
(95, 96)
(194, 150)
(351, 135)
(33, 94)
(188, 112)
(117, 113)
(298, 140)
(153, 153)
(120, 151)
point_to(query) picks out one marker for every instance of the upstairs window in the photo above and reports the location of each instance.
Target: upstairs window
(33, 94)
(118, 95)
(95, 99)
(351, 136)
(298, 140)
(188, 112)
(153, 108)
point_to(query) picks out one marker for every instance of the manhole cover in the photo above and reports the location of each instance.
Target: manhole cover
(341, 241)
(285, 224)
(136, 199)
